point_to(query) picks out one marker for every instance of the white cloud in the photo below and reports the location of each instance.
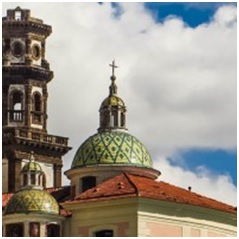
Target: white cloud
(202, 181)
(179, 83)
(226, 16)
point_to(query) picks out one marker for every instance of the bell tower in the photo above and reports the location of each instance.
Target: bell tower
(26, 73)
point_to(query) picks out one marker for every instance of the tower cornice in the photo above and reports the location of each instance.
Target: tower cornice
(24, 27)
(30, 72)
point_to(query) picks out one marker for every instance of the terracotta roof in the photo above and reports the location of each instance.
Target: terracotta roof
(5, 198)
(128, 185)
(60, 194)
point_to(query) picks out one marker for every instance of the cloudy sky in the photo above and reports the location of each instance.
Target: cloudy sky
(177, 76)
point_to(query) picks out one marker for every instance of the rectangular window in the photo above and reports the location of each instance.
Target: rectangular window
(88, 182)
(104, 233)
(15, 230)
(34, 229)
(33, 179)
(53, 230)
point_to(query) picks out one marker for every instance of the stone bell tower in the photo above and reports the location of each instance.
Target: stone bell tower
(25, 75)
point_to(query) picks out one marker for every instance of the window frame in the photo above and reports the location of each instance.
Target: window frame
(91, 184)
(9, 229)
(95, 229)
(104, 231)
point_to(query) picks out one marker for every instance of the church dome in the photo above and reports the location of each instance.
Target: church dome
(32, 201)
(113, 100)
(112, 148)
(32, 166)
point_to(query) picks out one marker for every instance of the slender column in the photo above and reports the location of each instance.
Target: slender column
(3, 230)
(43, 229)
(14, 174)
(26, 229)
(57, 175)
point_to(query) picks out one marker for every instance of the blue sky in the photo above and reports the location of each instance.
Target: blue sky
(177, 76)
(218, 161)
(192, 13)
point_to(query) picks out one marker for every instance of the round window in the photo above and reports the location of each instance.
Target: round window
(17, 48)
(36, 51)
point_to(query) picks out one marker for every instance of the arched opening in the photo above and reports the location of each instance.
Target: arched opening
(16, 106)
(37, 108)
(18, 15)
(37, 102)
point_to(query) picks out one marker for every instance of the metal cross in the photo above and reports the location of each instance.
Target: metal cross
(113, 67)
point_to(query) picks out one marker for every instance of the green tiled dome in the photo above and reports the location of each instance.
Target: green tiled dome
(32, 166)
(32, 201)
(112, 148)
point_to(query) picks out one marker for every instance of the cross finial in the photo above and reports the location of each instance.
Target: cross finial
(113, 67)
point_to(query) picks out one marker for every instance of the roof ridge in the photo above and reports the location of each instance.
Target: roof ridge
(127, 175)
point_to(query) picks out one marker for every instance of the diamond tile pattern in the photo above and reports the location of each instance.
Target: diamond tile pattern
(112, 148)
(31, 166)
(32, 200)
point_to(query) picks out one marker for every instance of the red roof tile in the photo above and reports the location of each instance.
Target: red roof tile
(5, 198)
(127, 185)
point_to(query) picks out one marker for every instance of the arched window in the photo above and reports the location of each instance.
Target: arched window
(17, 100)
(88, 182)
(37, 102)
(18, 15)
(104, 233)
(16, 106)
(37, 108)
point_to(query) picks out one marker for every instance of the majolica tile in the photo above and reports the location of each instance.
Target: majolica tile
(112, 148)
(32, 201)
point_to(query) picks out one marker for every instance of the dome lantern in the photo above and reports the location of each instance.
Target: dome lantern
(113, 109)
(32, 175)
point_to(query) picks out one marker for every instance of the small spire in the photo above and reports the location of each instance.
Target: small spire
(113, 87)
(32, 159)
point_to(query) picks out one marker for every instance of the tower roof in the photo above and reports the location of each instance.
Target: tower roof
(32, 201)
(113, 108)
